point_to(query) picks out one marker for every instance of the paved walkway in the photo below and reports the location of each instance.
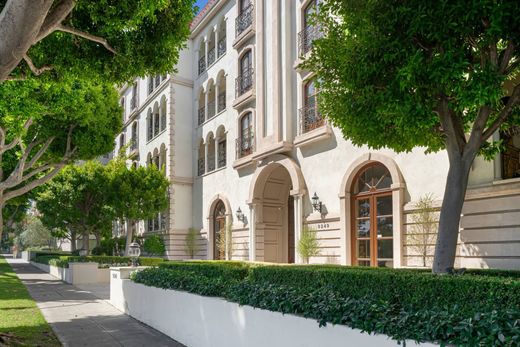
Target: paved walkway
(79, 318)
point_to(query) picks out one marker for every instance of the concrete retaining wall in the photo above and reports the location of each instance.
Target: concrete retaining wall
(199, 321)
(77, 273)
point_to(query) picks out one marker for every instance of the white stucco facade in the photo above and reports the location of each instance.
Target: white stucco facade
(238, 87)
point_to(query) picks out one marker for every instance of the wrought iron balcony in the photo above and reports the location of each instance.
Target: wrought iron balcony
(211, 163)
(221, 102)
(201, 167)
(310, 119)
(202, 65)
(244, 82)
(211, 56)
(202, 115)
(221, 49)
(211, 109)
(244, 20)
(306, 37)
(245, 143)
(221, 154)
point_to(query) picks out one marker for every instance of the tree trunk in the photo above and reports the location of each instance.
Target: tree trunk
(86, 243)
(1, 222)
(449, 221)
(129, 236)
(73, 240)
(98, 239)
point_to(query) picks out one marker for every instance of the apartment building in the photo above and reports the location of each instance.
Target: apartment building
(248, 155)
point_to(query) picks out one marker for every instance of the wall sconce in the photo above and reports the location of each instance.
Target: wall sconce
(316, 203)
(240, 215)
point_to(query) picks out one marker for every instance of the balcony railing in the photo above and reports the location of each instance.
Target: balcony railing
(244, 20)
(133, 102)
(211, 56)
(244, 82)
(310, 119)
(221, 102)
(211, 109)
(211, 163)
(221, 49)
(245, 143)
(202, 115)
(201, 167)
(221, 154)
(202, 65)
(306, 37)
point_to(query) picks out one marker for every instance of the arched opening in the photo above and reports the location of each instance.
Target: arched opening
(221, 97)
(134, 144)
(201, 163)
(372, 217)
(219, 228)
(211, 48)
(202, 107)
(211, 99)
(245, 141)
(163, 113)
(210, 142)
(276, 196)
(221, 147)
(202, 57)
(221, 38)
(156, 119)
(156, 158)
(149, 125)
(162, 158)
(245, 78)
(310, 118)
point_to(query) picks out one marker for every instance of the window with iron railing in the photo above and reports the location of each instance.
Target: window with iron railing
(221, 102)
(202, 65)
(244, 20)
(244, 82)
(245, 143)
(201, 167)
(310, 118)
(150, 85)
(211, 109)
(221, 47)
(306, 37)
(221, 154)
(211, 56)
(211, 163)
(133, 102)
(202, 114)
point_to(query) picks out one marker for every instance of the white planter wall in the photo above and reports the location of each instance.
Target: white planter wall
(77, 273)
(199, 321)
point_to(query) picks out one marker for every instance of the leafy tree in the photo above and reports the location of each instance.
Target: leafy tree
(443, 75)
(59, 63)
(136, 193)
(308, 245)
(154, 245)
(77, 200)
(34, 234)
(111, 40)
(424, 229)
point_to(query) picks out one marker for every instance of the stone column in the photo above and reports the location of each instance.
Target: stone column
(298, 224)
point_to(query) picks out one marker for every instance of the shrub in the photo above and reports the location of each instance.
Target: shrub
(103, 261)
(190, 242)
(154, 245)
(469, 310)
(308, 245)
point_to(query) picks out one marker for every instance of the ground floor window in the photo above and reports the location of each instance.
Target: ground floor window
(372, 215)
(511, 153)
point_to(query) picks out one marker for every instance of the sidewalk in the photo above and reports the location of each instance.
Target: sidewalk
(79, 318)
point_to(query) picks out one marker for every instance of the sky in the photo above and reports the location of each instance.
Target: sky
(200, 3)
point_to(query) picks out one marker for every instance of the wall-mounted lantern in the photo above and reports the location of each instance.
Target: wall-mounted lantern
(240, 215)
(316, 203)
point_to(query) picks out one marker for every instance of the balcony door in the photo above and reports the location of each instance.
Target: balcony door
(372, 218)
(219, 227)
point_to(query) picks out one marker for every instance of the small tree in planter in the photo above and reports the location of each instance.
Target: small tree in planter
(154, 245)
(423, 234)
(308, 245)
(190, 242)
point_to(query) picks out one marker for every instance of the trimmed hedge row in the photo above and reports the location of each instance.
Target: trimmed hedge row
(103, 261)
(469, 310)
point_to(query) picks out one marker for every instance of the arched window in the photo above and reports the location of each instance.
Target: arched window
(121, 141)
(202, 57)
(133, 145)
(310, 118)
(372, 223)
(221, 147)
(222, 38)
(162, 159)
(201, 163)
(219, 227)
(163, 114)
(149, 159)
(246, 135)
(122, 103)
(221, 97)
(245, 78)
(211, 100)
(202, 107)
(149, 125)
(156, 120)
(156, 158)
(211, 152)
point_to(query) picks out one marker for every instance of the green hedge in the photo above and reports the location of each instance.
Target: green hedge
(103, 261)
(479, 308)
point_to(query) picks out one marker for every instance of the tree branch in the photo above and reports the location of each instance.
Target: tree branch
(506, 57)
(30, 186)
(55, 17)
(36, 171)
(34, 69)
(514, 100)
(475, 138)
(85, 35)
(38, 154)
(16, 141)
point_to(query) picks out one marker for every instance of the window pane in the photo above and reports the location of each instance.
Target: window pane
(363, 247)
(364, 262)
(373, 178)
(363, 228)
(385, 226)
(385, 249)
(384, 205)
(385, 263)
(363, 208)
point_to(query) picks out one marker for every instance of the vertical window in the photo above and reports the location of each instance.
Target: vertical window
(156, 123)
(163, 114)
(246, 134)
(219, 227)
(372, 227)
(149, 125)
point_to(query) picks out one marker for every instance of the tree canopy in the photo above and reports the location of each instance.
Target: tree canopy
(439, 74)
(112, 40)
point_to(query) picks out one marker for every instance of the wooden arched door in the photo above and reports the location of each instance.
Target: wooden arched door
(219, 226)
(372, 217)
